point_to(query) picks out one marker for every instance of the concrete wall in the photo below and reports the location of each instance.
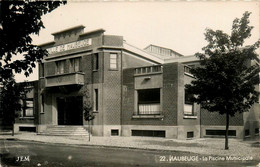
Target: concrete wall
(111, 93)
(30, 121)
(112, 40)
(251, 120)
(130, 60)
(239, 130)
(171, 81)
(186, 123)
(171, 132)
(170, 93)
(154, 81)
(130, 84)
(108, 82)
(240, 122)
(215, 119)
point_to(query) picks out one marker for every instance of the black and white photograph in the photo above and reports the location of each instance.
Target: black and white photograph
(129, 83)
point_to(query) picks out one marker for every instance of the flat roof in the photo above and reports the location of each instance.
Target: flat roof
(183, 59)
(92, 32)
(68, 29)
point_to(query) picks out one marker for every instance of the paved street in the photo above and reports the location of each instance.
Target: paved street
(28, 153)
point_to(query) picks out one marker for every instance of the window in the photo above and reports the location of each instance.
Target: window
(95, 61)
(42, 70)
(190, 134)
(74, 65)
(113, 61)
(188, 104)
(149, 101)
(27, 129)
(42, 105)
(95, 99)
(220, 132)
(114, 132)
(149, 133)
(256, 131)
(247, 132)
(60, 67)
(27, 108)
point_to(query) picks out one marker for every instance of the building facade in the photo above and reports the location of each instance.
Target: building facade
(133, 92)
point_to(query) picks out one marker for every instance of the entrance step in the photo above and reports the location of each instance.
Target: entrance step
(65, 131)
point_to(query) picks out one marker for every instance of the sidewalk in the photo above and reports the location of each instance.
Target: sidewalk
(204, 146)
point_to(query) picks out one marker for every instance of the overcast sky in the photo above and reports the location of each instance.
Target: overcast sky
(176, 25)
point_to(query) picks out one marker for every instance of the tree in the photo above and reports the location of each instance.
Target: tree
(19, 20)
(11, 95)
(225, 81)
(88, 110)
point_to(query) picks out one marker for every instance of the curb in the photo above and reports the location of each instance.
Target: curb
(99, 146)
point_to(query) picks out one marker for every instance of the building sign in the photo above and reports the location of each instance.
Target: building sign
(70, 46)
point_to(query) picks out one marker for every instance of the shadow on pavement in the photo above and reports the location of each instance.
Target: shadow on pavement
(8, 160)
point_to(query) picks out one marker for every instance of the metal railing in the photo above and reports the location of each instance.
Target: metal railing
(149, 109)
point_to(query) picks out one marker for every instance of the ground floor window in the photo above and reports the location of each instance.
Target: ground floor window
(27, 129)
(190, 134)
(149, 133)
(114, 132)
(247, 132)
(149, 101)
(27, 108)
(220, 132)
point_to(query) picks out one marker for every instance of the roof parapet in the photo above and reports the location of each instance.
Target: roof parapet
(68, 29)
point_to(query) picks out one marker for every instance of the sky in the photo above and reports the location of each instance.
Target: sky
(179, 25)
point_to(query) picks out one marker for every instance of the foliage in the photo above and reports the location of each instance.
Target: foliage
(87, 107)
(19, 20)
(225, 81)
(88, 114)
(11, 95)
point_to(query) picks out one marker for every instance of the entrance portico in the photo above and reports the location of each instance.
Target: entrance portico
(70, 110)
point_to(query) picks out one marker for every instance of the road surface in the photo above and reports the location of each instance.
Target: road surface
(25, 153)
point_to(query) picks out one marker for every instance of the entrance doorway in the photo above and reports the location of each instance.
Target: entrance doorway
(70, 110)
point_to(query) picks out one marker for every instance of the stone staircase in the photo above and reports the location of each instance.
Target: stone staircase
(65, 131)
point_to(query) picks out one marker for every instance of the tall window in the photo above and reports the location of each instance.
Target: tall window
(95, 61)
(113, 61)
(42, 70)
(188, 104)
(60, 67)
(74, 65)
(42, 103)
(149, 101)
(27, 110)
(95, 99)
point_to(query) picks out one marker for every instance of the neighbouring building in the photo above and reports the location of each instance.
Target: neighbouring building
(134, 92)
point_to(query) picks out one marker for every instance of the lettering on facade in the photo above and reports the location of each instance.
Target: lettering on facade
(70, 46)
